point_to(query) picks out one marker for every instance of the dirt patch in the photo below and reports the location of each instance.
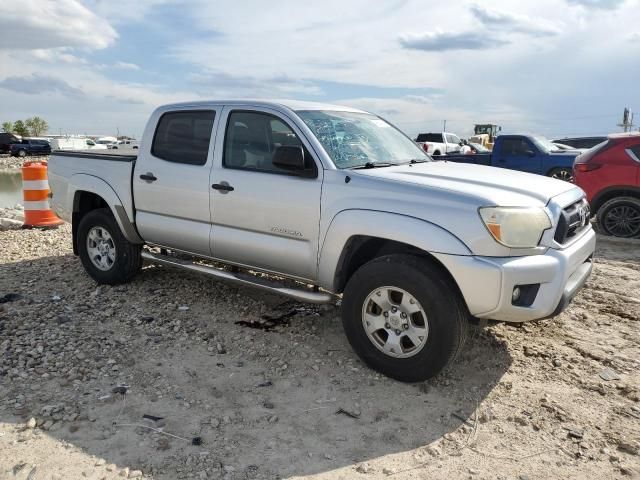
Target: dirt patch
(551, 399)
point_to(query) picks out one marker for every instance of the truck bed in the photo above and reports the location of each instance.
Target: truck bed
(106, 171)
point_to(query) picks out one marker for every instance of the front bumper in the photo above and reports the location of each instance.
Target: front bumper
(487, 283)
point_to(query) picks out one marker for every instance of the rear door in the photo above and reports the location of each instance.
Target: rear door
(171, 180)
(518, 153)
(262, 216)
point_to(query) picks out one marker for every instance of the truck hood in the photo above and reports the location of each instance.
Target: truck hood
(490, 185)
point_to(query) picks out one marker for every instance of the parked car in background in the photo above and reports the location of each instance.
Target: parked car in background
(30, 146)
(132, 144)
(565, 148)
(439, 143)
(581, 142)
(75, 143)
(610, 175)
(6, 140)
(526, 153)
(336, 198)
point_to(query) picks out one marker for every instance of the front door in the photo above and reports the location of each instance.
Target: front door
(171, 181)
(519, 154)
(263, 216)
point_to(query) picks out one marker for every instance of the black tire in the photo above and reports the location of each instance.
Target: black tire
(128, 260)
(611, 214)
(563, 173)
(437, 152)
(446, 315)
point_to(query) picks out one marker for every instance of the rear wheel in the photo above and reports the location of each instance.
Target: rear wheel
(403, 317)
(106, 255)
(620, 217)
(565, 174)
(22, 153)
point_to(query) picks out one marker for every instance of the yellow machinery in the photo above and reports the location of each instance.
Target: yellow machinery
(485, 134)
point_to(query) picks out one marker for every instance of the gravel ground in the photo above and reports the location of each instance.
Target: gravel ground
(82, 364)
(7, 161)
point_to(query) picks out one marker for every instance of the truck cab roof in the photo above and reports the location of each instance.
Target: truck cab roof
(294, 105)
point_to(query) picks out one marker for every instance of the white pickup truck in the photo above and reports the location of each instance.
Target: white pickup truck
(439, 143)
(337, 202)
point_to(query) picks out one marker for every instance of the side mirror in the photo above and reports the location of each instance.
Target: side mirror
(290, 158)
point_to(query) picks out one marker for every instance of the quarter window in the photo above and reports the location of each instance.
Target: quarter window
(636, 152)
(183, 137)
(252, 139)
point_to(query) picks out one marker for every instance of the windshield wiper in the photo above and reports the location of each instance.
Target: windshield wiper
(373, 165)
(417, 160)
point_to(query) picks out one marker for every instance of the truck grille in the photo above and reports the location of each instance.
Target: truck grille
(573, 220)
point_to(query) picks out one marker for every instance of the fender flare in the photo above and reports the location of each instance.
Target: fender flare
(83, 182)
(413, 231)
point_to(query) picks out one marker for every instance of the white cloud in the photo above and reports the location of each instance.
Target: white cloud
(37, 83)
(510, 22)
(126, 66)
(439, 41)
(598, 4)
(42, 24)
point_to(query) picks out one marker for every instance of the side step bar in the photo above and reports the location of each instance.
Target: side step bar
(246, 280)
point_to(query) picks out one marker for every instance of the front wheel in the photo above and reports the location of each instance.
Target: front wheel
(403, 317)
(565, 174)
(106, 255)
(620, 217)
(22, 153)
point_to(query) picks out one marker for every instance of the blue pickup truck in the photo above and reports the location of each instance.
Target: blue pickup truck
(527, 153)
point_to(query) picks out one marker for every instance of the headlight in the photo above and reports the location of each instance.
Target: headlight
(516, 227)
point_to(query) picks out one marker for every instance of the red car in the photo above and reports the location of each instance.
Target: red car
(610, 175)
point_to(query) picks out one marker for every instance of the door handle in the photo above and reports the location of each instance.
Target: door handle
(223, 187)
(148, 177)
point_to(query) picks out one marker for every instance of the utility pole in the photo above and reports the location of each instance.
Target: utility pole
(627, 120)
(444, 126)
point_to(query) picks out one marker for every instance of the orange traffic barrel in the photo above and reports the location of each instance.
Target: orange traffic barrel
(35, 188)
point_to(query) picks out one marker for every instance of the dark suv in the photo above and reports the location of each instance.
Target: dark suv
(6, 140)
(581, 142)
(30, 146)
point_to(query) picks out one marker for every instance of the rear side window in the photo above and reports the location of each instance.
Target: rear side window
(430, 137)
(636, 152)
(183, 137)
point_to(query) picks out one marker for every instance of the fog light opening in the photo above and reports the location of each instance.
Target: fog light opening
(515, 295)
(524, 295)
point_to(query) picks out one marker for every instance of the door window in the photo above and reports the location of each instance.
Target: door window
(515, 146)
(184, 136)
(453, 139)
(252, 139)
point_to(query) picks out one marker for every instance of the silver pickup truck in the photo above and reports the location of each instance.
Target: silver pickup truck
(331, 200)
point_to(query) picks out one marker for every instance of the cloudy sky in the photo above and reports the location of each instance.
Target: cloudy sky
(555, 67)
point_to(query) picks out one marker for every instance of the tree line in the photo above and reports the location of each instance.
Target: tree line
(31, 127)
